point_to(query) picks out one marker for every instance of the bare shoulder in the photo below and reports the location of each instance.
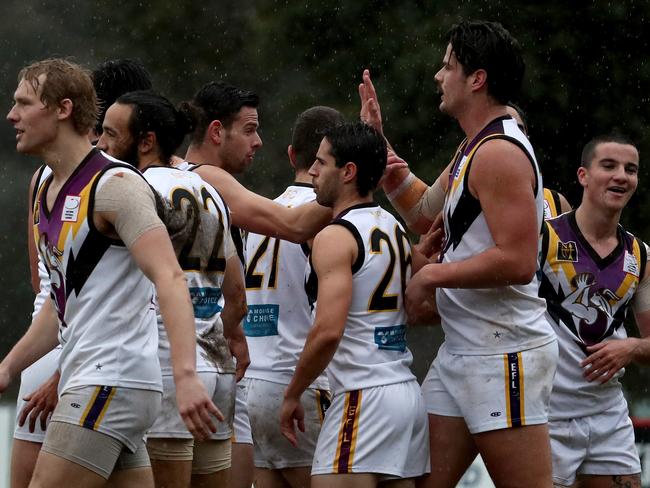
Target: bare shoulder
(334, 242)
(501, 151)
(500, 162)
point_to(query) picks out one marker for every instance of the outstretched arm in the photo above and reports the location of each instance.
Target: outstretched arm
(255, 213)
(333, 253)
(414, 200)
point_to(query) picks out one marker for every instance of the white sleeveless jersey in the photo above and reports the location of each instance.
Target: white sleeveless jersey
(487, 320)
(279, 315)
(107, 322)
(372, 351)
(197, 220)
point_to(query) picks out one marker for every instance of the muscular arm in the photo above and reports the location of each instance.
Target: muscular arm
(333, 253)
(255, 213)
(502, 179)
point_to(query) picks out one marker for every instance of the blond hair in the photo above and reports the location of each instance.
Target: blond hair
(64, 79)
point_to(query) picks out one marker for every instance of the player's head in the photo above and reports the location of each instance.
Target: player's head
(480, 56)
(116, 77)
(308, 133)
(51, 93)
(225, 117)
(143, 127)
(609, 171)
(350, 155)
(517, 113)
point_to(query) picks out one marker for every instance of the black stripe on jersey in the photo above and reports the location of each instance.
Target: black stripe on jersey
(354, 207)
(306, 250)
(193, 166)
(239, 243)
(465, 213)
(644, 258)
(361, 255)
(311, 285)
(81, 266)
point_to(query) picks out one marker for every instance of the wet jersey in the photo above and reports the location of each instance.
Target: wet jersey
(372, 351)
(197, 220)
(279, 315)
(107, 322)
(495, 320)
(588, 299)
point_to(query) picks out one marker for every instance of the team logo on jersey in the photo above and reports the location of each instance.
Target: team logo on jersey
(631, 264)
(70, 210)
(567, 251)
(261, 321)
(391, 338)
(547, 210)
(205, 301)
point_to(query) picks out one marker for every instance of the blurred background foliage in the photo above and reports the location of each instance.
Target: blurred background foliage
(588, 71)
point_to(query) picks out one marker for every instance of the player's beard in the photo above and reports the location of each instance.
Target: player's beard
(130, 154)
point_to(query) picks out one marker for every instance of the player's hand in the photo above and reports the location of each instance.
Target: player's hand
(607, 358)
(196, 407)
(40, 403)
(395, 172)
(370, 112)
(430, 244)
(239, 349)
(291, 412)
(420, 298)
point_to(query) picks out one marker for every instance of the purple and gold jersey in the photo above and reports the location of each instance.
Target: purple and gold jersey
(107, 324)
(588, 297)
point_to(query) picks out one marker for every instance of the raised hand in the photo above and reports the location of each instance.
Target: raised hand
(370, 112)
